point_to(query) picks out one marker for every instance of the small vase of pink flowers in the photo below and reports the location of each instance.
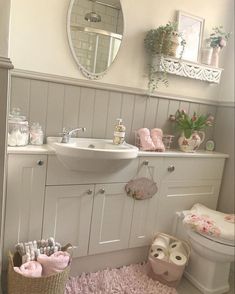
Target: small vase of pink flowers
(191, 129)
(218, 40)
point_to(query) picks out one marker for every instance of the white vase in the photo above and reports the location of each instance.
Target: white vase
(192, 143)
(215, 57)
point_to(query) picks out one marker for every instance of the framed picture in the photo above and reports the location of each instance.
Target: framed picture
(191, 28)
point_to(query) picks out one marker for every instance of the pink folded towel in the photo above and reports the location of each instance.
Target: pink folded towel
(156, 135)
(146, 142)
(54, 263)
(30, 269)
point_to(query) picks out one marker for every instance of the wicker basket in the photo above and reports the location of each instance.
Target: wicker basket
(172, 273)
(18, 284)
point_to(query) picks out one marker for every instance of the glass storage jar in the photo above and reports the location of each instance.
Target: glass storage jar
(18, 129)
(36, 134)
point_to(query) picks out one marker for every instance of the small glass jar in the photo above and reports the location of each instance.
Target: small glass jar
(18, 129)
(206, 52)
(167, 141)
(36, 134)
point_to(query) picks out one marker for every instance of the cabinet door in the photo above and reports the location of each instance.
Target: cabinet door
(182, 195)
(67, 215)
(145, 211)
(144, 222)
(26, 178)
(111, 219)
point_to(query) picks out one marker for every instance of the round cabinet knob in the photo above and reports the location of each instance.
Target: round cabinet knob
(171, 168)
(102, 191)
(89, 192)
(40, 162)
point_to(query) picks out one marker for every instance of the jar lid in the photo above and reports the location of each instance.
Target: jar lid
(36, 126)
(15, 117)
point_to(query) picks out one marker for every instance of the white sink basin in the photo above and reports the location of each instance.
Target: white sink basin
(85, 154)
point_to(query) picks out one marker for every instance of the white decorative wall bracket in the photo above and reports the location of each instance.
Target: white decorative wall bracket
(187, 69)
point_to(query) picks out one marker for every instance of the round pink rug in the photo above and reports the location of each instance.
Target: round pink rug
(130, 279)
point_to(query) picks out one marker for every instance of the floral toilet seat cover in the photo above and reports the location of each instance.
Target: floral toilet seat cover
(211, 223)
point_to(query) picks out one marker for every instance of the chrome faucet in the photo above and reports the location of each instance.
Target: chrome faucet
(66, 134)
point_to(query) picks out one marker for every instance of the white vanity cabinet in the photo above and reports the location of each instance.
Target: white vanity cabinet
(92, 210)
(111, 218)
(26, 178)
(67, 215)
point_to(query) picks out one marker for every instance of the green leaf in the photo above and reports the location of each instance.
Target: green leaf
(187, 133)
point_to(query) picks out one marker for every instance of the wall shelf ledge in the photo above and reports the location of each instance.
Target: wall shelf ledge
(187, 69)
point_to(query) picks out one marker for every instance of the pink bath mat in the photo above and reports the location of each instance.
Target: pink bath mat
(130, 279)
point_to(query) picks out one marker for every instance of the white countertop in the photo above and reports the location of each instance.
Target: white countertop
(31, 149)
(46, 149)
(178, 153)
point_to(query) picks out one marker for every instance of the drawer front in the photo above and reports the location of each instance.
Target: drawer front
(57, 174)
(192, 168)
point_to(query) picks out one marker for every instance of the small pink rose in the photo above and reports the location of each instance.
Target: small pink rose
(222, 43)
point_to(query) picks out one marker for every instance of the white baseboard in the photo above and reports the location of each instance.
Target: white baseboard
(114, 259)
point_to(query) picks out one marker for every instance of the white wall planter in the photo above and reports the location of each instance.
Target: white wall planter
(187, 69)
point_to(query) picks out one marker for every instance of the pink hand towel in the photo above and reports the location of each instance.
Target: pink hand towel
(55, 263)
(157, 135)
(145, 139)
(30, 269)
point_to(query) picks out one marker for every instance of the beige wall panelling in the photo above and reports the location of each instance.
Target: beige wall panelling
(202, 109)
(38, 102)
(114, 112)
(127, 112)
(150, 113)
(193, 107)
(162, 113)
(71, 106)
(100, 113)
(20, 91)
(55, 107)
(86, 110)
(139, 113)
(224, 139)
(174, 105)
(184, 105)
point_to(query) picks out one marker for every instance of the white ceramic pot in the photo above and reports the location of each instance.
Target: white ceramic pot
(215, 56)
(191, 144)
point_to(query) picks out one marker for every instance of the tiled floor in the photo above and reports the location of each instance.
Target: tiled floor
(186, 287)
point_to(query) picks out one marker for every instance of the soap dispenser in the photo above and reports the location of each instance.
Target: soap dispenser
(119, 132)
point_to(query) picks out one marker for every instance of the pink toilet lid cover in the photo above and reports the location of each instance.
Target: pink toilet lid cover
(209, 222)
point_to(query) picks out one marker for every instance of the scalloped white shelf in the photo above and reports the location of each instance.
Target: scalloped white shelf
(187, 69)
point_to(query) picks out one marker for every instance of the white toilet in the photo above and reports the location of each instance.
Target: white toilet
(210, 259)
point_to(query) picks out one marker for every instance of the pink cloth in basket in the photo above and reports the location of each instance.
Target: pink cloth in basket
(30, 269)
(145, 139)
(54, 263)
(156, 135)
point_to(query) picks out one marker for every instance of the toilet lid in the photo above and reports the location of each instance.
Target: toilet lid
(219, 240)
(211, 224)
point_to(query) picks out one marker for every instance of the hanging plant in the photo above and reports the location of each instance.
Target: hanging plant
(161, 42)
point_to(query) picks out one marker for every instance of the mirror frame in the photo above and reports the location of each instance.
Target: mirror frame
(84, 71)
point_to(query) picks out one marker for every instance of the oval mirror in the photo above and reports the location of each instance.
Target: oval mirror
(95, 29)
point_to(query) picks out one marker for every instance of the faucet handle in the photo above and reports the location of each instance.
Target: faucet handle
(64, 131)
